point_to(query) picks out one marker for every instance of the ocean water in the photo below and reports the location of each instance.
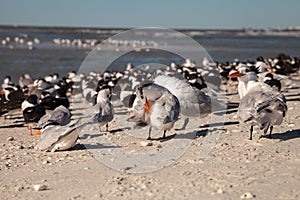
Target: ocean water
(46, 57)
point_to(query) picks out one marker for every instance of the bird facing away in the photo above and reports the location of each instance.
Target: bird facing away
(260, 104)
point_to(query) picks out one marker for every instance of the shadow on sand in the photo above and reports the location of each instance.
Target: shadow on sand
(288, 135)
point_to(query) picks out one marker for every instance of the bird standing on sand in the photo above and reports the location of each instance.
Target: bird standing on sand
(103, 111)
(32, 111)
(193, 101)
(156, 106)
(260, 104)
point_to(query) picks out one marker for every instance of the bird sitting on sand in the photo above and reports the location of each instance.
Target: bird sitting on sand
(51, 102)
(55, 137)
(59, 116)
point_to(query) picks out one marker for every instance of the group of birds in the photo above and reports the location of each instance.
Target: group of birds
(11, 42)
(95, 42)
(154, 97)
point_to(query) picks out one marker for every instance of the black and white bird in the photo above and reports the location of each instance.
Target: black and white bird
(32, 111)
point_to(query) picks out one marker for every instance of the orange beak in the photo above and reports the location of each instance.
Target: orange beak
(235, 75)
(271, 69)
(37, 132)
(147, 106)
(2, 92)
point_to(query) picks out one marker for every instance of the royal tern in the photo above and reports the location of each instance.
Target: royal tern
(260, 104)
(103, 111)
(155, 106)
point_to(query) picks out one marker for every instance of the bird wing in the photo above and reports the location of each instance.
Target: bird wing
(61, 115)
(263, 106)
(193, 102)
(52, 134)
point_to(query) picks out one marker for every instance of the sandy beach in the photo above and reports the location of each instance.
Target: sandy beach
(236, 168)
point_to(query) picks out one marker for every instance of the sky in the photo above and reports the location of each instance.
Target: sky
(198, 14)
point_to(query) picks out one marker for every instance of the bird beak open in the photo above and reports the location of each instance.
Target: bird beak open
(235, 75)
(37, 132)
(147, 106)
(271, 69)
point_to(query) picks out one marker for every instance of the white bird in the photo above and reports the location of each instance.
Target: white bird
(7, 83)
(260, 104)
(25, 80)
(103, 111)
(155, 106)
(193, 102)
(55, 138)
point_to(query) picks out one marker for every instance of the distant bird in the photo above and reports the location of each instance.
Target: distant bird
(11, 98)
(260, 104)
(51, 102)
(25, 81)
(155, 106)
(269, 79)
(7, 82)
(103, 111)
(13, 94)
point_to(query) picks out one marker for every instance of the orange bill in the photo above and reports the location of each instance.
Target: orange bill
(37, 132)
(235, 75)
(147, 106)
(271, 69)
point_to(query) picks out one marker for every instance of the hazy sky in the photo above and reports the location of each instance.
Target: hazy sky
(152, 13)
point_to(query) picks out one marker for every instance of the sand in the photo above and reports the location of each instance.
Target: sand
(235, 168)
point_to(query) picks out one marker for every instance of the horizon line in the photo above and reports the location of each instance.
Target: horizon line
(128, 28)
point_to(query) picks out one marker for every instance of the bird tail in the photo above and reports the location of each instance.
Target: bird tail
(277, 98)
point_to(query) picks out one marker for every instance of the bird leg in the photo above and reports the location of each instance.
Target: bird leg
(106, 127)
(29, 127)
(271, 129)
(149, 136)
(185, 123)
(164, 135)
(251, 130)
